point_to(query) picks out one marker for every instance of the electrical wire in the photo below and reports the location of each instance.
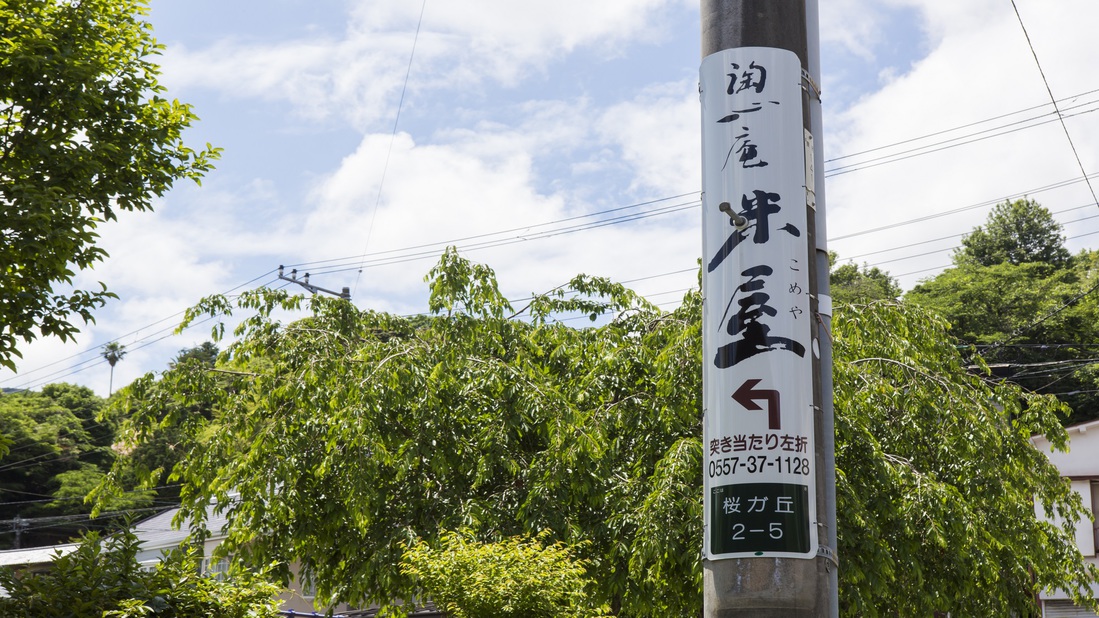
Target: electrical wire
(469, 248)
(1007, 198)
(945, 145)
(95, 359)
(950, 248)
(337, 265)
(524, 228)
(392, 137)
(80, 518)
(1053, 99)
(345, 267)
(64, 499)
(957, 128)
(1034, 324)
(119, 339)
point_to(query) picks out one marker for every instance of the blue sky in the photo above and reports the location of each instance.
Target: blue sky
(521, 114)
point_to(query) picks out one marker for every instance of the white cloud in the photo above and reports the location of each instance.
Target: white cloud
(852, 24)
(521, 33)
(357, 77)
(981, 67)
(658, 134)
(475, 157)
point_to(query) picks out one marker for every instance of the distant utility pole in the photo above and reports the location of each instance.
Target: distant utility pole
(293, 278)
(768, 432)
(19, 525)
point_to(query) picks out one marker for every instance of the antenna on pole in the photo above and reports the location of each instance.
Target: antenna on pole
(304, 282)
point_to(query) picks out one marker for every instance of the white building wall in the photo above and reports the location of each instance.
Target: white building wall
(1080, 464)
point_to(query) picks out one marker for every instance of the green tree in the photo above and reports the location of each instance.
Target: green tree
(350, 435)
(148, 463)
(112, 353)
(937, 478)
(103, 578)
(84, 133)
(852, 285)
(511, 578)
(1034, 323)
(206, 353)
(1016, 232)
(60, 450)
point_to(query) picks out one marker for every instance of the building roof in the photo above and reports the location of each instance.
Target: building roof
(157, 532)
(35, 555)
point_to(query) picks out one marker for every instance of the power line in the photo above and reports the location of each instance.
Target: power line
(345, 267)
(78, 516)
(1053, 99)
(96, 359)
(1056, 185)
(957, 128)
(490, 244)
(950, 248)
(523, 228)
(392, 136)
(925, 242)
(1034, 324)
(341, 264)
(336, 267)
(957, 246)
(69, 499)
(30, 461)
(947, 144)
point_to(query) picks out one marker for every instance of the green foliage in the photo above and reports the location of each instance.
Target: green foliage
(84, 133)
(1018, 232)
(349, 436)
(852, 285)
(512, 578)
(113, 352)
(380, 430)
(205, 353)
(60, 450)
(103, 578)
(1034, 323)
(937, 478)
(147, 463)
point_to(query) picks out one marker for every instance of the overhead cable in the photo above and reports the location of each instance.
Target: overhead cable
(1053, 99)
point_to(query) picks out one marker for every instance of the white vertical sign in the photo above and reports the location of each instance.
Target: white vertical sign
(759, 468)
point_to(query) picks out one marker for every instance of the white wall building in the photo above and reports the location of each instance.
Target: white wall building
(1081, 466)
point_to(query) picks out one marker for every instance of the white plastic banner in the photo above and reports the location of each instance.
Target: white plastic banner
(759, 470)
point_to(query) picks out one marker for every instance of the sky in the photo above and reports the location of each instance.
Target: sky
(362, 137)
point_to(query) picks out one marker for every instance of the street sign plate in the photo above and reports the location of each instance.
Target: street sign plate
(758, 427)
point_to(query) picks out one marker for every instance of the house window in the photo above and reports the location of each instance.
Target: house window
(308, 586)
(1095, 514)
(217, 569)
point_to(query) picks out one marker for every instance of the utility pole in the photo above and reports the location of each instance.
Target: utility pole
(293, 278)
(19, 525)
(768, 430)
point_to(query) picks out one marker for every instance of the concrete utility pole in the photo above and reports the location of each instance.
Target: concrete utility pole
(769, 451)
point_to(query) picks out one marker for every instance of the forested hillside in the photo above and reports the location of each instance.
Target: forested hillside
(60, 442)
(1017, 299)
